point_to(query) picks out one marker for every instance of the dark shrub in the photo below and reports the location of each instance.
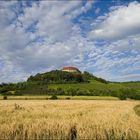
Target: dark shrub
(60, 91)
(71, 91)
(67, 98)
(54, 97)
(122, 97)
(72, 133)
(4, 97)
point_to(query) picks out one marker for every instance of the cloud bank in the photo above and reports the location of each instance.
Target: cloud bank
(40, 36)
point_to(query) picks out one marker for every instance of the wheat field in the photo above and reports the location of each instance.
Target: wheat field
(46, 119)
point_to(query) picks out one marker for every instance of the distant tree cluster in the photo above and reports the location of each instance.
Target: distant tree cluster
(90, 76)
(58, 76)
(122, 94)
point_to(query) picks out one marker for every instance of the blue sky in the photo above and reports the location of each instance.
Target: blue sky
(99, 36)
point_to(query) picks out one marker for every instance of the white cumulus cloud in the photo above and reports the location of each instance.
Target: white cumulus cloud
(117, 24)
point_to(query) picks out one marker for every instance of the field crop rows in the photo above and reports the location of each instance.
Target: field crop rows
(60, 119)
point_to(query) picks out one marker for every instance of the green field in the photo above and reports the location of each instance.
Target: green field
(94, 88)
(89, 86)
(30, 97)
(135, 85)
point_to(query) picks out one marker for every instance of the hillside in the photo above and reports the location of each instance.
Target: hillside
(58, 76)
(71, 84)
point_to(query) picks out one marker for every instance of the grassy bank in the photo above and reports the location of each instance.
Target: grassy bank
(30, 97)
(89, 86)
(137, 109)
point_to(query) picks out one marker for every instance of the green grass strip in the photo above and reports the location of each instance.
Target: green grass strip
(137, 109)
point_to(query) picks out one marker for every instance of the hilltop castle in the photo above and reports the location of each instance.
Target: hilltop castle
(70, 69)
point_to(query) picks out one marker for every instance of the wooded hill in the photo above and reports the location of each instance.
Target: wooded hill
(58, 82)
(58, 76)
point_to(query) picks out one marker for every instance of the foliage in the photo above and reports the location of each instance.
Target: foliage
(122, 97)
(4, 97)
(58, 76)
(53, 97)
(137, 109)
(90, 76)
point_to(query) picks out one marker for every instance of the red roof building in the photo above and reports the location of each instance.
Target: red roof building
(70, 69)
